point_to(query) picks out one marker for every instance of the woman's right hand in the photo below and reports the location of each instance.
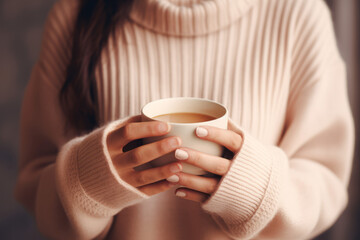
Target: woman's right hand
(150, 181)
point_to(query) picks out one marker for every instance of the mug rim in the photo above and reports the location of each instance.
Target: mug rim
(143, 109)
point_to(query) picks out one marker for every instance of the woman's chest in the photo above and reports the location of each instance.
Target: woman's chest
(248, 77)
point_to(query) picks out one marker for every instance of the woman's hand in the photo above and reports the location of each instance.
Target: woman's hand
(149, 181)
(199, 188)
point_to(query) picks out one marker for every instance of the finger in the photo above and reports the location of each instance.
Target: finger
(156, 188)
(146, 153)
(226, 138)
(137, 130)
(214, 164)
(198, 183)
(136, 118)
(152, 175)
(191, 195)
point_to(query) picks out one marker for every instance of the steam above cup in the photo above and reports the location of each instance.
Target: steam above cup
(180, 114)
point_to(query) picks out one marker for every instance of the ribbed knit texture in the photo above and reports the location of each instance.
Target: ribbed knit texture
(273, 63)
(94, 160)
(232, 66)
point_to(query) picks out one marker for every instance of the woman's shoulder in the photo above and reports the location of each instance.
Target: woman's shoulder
(69, 5)
(62, 17)
(65, 10)
(299, 15)
(300, 7)
(57, 39)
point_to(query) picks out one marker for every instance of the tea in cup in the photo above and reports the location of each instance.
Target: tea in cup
(185, 115)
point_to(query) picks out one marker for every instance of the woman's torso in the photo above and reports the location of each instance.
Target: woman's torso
(245, 66)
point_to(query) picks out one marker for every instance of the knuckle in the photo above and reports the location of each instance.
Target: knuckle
(136, 156)
(213, 132)
(210, 187)
(127, 131)
(234, 142)
(141, 179)
(195, 157)
(149, 128)
(154, 128)
(163, 146)
(184, 180)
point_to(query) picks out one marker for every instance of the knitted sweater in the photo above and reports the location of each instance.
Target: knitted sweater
(273, 63)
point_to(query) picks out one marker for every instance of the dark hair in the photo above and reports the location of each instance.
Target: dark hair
(94, 25)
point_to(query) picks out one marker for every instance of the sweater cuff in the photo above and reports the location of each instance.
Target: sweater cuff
(87, 176)
(248, 195)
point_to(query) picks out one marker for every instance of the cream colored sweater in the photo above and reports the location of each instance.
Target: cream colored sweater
(273, 63)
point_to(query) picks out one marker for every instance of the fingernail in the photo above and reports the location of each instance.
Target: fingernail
(180, 194)
(181, 154)
(175, 168)
(163, 127)
(174, 142)
(173, 178)
(201, 132)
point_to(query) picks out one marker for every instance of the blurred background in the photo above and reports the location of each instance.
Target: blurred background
(21, 26)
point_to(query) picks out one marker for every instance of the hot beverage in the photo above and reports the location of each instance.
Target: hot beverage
(184, 117)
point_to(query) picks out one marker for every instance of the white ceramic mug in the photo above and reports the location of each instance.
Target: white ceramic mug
(186, 131)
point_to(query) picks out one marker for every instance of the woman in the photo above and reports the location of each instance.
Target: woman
(274, 64)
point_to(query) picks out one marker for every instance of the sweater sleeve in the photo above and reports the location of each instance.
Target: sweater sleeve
(69, 183)
(297, 188)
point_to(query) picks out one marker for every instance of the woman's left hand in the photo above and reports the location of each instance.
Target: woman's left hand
(199, 188)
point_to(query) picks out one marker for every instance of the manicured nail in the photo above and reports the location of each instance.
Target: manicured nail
(174, 142)
(201, 132)
(163, 127)
(181, 154)
(175, 168)
(173, 178)
(180, 194)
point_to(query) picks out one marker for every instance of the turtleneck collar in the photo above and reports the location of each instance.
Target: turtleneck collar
(188, 17)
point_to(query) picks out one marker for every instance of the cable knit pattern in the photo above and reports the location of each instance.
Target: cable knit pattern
(273, 63)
